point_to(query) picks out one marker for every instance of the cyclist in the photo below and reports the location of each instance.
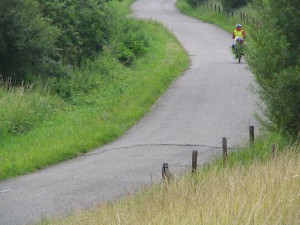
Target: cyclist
(238, 34)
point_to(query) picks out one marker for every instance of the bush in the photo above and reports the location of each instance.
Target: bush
(274, 58)
(231, 4)
(195, 3)
(85, 26)
(129, 42)
(90, 78)
(27, 41)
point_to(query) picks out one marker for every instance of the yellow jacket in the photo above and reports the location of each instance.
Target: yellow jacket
(238, 33)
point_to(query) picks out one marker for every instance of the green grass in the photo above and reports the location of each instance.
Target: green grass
(226, 22)
(100, 115)
(23, 107)
(122, 6)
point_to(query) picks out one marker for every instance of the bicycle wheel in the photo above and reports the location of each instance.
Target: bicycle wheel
(240, 57)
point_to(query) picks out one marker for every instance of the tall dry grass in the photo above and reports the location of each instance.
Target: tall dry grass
(262, 193)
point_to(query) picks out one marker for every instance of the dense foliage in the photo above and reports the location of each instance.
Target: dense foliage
(231, 4)
(27, 41)
(45, 38)
(129, 42)
(274, 58)
(84, 26)
(195, 3)
(50, 44)
(227, 4)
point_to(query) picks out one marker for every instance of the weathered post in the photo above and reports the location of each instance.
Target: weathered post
(166, 174)
(194, 161)
(224, 144)
(251, 135)
(273, 151)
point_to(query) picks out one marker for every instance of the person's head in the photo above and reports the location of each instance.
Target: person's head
(238, 27)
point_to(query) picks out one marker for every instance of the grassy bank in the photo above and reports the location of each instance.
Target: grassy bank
(209, 15)
(250, 191)
(120, 97)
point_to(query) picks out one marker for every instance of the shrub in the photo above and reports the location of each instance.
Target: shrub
(85, 26)
(129, 42)
(231, 4)
(27, 41)
(90, 78)
(195, 3)
(274, 58)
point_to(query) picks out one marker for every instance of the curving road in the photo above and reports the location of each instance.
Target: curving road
(208, 102)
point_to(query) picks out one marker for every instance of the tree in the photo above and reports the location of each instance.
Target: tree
(274, 57)
(27, 41)
(85, 26)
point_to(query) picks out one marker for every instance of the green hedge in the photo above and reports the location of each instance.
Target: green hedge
(274, 58)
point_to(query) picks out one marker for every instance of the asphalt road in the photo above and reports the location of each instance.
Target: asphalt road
(208, 102)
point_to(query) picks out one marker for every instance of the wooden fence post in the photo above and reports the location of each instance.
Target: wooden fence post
(194, 161)
(224, 144)
(166, 174)
(273, 151)
(251, 135)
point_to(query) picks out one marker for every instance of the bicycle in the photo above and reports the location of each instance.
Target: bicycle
(239, 49)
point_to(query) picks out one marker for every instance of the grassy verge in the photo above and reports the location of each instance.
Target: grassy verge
(122, 6)
(24, 107)
(205, 14)
(101, 115)
(263, 192)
